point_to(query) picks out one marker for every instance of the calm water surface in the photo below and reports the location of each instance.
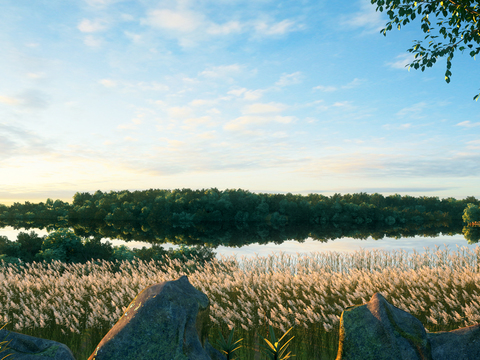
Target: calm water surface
(349, 245)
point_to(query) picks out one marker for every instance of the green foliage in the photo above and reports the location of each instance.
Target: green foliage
(471, 234)
(229, 217)
(273, 349)
(228, 347)
(94, 249)
(122, 252)
(2, 348)
(457, 21)
(62, 245)
(471, 213)
(30, 244)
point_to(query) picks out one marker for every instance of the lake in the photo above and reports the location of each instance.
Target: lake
(349, 245)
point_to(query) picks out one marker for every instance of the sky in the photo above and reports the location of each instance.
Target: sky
(301, 96)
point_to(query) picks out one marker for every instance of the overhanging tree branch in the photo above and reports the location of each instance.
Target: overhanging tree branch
(463, 26)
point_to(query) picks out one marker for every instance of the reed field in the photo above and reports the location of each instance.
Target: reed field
(77, 304)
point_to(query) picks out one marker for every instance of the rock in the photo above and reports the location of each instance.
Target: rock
(167, 321)
(460, 344)
(378, 330)
(25, 347)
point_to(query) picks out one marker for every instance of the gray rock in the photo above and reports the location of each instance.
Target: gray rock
(25, 347)
(460, 344)
(378, 330)
(166, 321)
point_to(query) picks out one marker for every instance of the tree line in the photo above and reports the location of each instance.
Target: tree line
(188, 208)
(65, 246)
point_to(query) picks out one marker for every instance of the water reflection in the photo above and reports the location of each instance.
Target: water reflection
(347, 244)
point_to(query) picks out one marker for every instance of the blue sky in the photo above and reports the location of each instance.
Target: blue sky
(270, 96)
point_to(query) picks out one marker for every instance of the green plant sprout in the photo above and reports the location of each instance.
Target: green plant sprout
(2, 349)
(272, 351)
(227, 347)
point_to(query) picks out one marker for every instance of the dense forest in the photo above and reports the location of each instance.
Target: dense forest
(208, 218)
(188, 208)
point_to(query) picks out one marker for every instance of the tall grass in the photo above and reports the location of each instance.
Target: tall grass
(77, 304)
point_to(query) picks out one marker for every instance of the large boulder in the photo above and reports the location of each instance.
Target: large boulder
(25, 347)
(168, 320)
(460, 344)
(378, 330)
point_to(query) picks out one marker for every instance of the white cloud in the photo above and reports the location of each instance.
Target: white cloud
(278, 28)
(126, 126)
(108, 83)
(325, 88)
(289, 79)
(242, 122)
(133, 125)
(179, 112)
(209, 135)
(174, 143)
(182, 21)
(34, 99)
(138, 120)
(354, 83)
(370, 19)
(191, 27)
(414, 111)
(237, 92)
(253, 94)
(202, 102)
(39, 75)
(91, 26)
(280, 135)
(136, 38)
(9, 100)
(473, 145)
(354, 141)
(160, 103)
(247, 94)
(192, 123)
(468, 124)
(152, 85)
(397, 127)
(214, 111)
(341, 104)
(101, 3)
(92, 41)
(127, 17)
(221, 71)
(261, 108)
(141, 85)
(402, 62)
(225, 29)
(18, 142)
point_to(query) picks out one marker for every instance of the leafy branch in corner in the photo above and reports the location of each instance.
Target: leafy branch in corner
(457, 21)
